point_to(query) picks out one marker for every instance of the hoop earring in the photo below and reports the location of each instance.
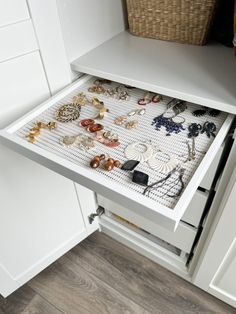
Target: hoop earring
(131, 152)
(164, 167)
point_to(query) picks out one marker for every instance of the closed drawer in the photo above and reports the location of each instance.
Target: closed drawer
(117, 185)
(195, 209)
(182, 238)
(209, 177)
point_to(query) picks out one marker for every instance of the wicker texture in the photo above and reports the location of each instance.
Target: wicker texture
(186, 21)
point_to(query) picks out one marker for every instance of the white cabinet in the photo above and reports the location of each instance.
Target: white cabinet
(216, 271)
(40, 216)
(200, 75)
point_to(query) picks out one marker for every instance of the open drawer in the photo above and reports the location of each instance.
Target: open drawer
(116, 185)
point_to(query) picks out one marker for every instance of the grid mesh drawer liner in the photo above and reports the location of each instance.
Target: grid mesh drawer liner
(174, 144)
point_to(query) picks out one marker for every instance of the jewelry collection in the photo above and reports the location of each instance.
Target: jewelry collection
(170, 167)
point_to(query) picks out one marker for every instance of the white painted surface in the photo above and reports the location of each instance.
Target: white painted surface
(222, 281)
(195, 209)
(77, 172)
(48, 32)
(209, 177)
(88, 23)
(182, 238)
(204, 75)
(216, 271)
(88, 204)
(23, 86)
(144, 246)
(17, 39)
(13, 11)
(40, 215)
(40, 219)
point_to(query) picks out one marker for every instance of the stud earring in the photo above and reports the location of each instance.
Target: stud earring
(36, 130)
(110, 163)
(95, 162)
(133, 124)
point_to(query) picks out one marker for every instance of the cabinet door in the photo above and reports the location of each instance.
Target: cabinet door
(217, 271)
(40, 217)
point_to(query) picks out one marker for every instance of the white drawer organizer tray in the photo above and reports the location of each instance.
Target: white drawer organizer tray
(116, 185)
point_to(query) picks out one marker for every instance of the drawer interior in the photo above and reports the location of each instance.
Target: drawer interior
(74, 162)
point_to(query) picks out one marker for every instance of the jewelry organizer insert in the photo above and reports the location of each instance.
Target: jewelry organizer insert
(118, 179)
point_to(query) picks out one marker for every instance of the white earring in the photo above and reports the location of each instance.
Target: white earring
(164, 167)
(132, 153)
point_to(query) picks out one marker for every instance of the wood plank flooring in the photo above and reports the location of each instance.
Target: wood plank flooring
(102, 276)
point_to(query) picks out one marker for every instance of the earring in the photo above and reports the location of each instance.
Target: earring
(206, 110)
(36, 130)
(68, 112)
(214, 112)
(91, 126)
(209, 128)
(110, 163)
(133, 124)
(100, 106)
(131, 152)
(95, 162)
(140, 112)
(147, 98)
(164, 167)
(80, 99)
(108, 138)
(120, 120)
(194, 130)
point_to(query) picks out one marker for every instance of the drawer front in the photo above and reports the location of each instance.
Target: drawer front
(209, 177)
(117, 185)
(195, 209)
(182, 238)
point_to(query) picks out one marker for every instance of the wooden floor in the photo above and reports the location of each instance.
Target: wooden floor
(102, 276)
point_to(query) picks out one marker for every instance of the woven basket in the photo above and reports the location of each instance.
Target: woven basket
(185, 21)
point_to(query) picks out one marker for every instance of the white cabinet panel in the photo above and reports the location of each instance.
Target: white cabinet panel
(101, 19)
(40, 218)
(12, 11)
(23, 85)
(17, 39)
(42, 212)
(216, 271)
(223, 281)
